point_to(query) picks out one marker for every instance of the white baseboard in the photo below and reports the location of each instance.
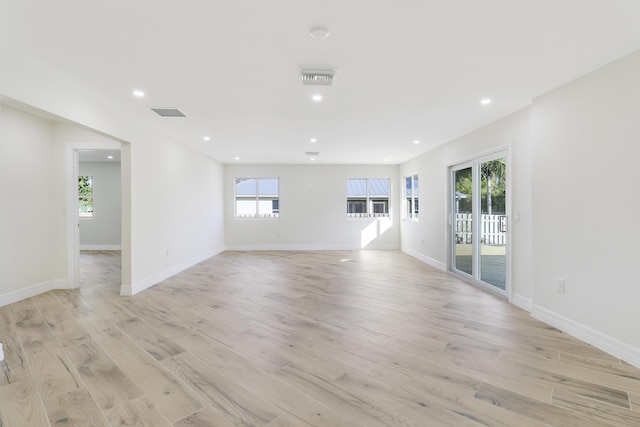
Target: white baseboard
(427, 260)
(310, 248)
(604, 342)
(33, 290)
(100, 247)
(163, 275)
(524, 303)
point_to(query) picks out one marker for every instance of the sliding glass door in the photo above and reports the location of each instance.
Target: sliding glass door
(479, 220)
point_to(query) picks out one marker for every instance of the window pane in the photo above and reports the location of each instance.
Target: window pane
(85, 196)
(408, 186)
(356, 187)
(85, 207)
(378, 187)
(268, 187)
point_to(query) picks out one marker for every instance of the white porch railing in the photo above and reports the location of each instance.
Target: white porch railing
(492, 231)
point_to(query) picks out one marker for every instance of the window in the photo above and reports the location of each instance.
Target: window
(411, 196)
(85, 196)
(368, 197)
(257, 198)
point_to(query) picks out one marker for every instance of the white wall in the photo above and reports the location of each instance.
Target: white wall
(586, 143)
(32, 246)
(104, 229)
(313, 206)
(427, 238)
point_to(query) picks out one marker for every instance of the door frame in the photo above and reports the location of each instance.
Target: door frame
(73, 218)
(473, 161)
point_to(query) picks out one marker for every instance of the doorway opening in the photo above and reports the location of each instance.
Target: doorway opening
(98, 235)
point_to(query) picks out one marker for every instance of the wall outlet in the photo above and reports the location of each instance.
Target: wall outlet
(560, 285)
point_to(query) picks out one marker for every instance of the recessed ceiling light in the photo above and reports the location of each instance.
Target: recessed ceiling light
(416, 142)
(313, 159)
(206, 138)
(317, 97)
(386, 160)
(237, 158)
(313, 140)
(138, 93)
(485, 101)
(319, 32)
(109, 157)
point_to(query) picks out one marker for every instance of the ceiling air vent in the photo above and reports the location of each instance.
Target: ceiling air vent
(168, 112)
(312, 153)
(318, 77)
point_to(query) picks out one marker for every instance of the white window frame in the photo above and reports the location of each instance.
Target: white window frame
(370, 200)
(411, 211)
(255, 214)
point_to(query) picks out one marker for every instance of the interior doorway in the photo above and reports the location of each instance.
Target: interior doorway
(479, 239)
(100, 219)
(97, 204)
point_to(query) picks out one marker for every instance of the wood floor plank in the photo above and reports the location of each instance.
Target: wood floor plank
(106, 334)
(138, 412)
(75, 408)
(635, 401)
(52, 370)
(534, 409)
(153, 342)
(264, 385)
(169, 395)
(206, 417)
(370, 402)
(106, 382)
(596, 383)
(14, 367)
(20, 406)
(234, 401)
(285, 421)
(595, 409)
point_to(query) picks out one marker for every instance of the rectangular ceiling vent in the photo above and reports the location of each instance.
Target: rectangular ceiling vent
(318, 77)
(168, 112)
(312, 153)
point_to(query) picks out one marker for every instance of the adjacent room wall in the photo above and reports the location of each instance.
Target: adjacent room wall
(32, 248)
(313, 210)
(103, 230)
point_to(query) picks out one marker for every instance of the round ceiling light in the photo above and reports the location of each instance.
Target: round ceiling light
(319, 32)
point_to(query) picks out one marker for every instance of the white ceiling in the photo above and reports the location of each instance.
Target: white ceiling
(407, 69)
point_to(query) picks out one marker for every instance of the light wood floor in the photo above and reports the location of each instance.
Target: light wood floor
(283, 339)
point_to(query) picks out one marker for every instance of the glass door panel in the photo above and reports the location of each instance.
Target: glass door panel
(493, 236)
(479, 221)
(463, 220)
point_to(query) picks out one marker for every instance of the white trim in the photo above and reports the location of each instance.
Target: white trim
(100, 247)
(141, 285)
(602, 341)
(1, 353)
(524, 303)
(33, 290)
(427, 260)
